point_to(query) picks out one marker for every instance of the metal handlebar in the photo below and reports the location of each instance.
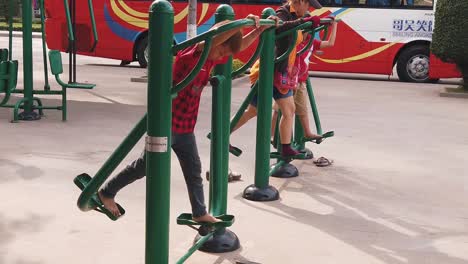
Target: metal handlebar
(207, 37)
(214, 31)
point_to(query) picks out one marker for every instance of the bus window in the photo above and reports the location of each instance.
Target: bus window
(398, 3)
(339, 2)
(377, 3)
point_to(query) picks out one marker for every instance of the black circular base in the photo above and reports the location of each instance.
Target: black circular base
(308, 153)
(287, 170)
(222, 241)
(253, 193)
(29, 116)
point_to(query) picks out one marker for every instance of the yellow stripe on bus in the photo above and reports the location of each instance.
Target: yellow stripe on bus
(181, 15)
(360, 56)
(319, 12)
(133, 12)
(203, 12)
(137, 22)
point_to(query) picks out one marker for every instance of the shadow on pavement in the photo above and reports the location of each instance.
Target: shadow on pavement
(11, 229)
(359, 222)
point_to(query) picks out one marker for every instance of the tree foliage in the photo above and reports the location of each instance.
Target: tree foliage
(450, 38)
(4, 8)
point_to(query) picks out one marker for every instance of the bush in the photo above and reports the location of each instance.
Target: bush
(450, 38)
(19, 27)
(237, 64)
(4, 4)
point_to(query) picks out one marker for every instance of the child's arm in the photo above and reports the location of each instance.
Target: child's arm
(218, 39)
(222, 37)
(248, 39)
(331, 41)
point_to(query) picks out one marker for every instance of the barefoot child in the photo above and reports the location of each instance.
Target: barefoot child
(184, 117)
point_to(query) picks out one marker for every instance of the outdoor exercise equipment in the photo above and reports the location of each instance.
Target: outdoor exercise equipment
(32, 106)
(283, 167)
(70, 13)
(261, 190)
(8, 67)
(213, 237)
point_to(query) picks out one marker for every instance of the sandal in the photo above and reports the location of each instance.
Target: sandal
(232, 176)
(323, 162)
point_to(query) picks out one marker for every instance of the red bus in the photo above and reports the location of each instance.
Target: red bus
(373, 37)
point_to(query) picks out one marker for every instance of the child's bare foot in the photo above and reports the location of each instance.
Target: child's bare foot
(206, 218)
(109, 204)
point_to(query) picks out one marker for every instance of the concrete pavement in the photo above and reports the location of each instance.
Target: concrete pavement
(397, 192)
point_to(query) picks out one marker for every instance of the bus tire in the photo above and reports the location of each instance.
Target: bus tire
(413, 65)
(142, 52)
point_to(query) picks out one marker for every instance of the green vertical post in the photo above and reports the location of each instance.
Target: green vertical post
(44, 48)
(298, 134)
(218, 177)
(313, 105)
(299, 143)
(10, 29)
(261, 190)
(223, 240)
(27, 55)
(158, 141)
(221, 127)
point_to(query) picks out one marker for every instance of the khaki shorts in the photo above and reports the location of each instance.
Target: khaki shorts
(300, 100)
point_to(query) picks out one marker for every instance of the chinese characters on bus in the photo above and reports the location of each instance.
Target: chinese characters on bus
(412, 28)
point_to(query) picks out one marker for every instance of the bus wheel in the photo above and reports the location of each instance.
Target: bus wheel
(413, 65)
(142, 52)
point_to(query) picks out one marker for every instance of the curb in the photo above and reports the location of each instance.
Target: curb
(445, 93)
(19, 34)
(453, 95)
(143, 79)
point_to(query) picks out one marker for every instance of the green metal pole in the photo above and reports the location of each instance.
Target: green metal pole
(158, 141)
(298, 134)
(84, 201)
(10, 29)
(265, 93)
(223, 240)
(221, 127)
(44, 48)
(261, 190)
(313, 105)
(27, 56)
(218, 176)
(195, 247)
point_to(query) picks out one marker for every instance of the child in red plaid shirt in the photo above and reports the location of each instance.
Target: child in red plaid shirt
(184, 117)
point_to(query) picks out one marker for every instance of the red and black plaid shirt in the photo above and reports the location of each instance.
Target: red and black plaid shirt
(185, 105)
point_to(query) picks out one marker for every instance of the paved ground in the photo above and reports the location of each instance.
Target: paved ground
(397, 192)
